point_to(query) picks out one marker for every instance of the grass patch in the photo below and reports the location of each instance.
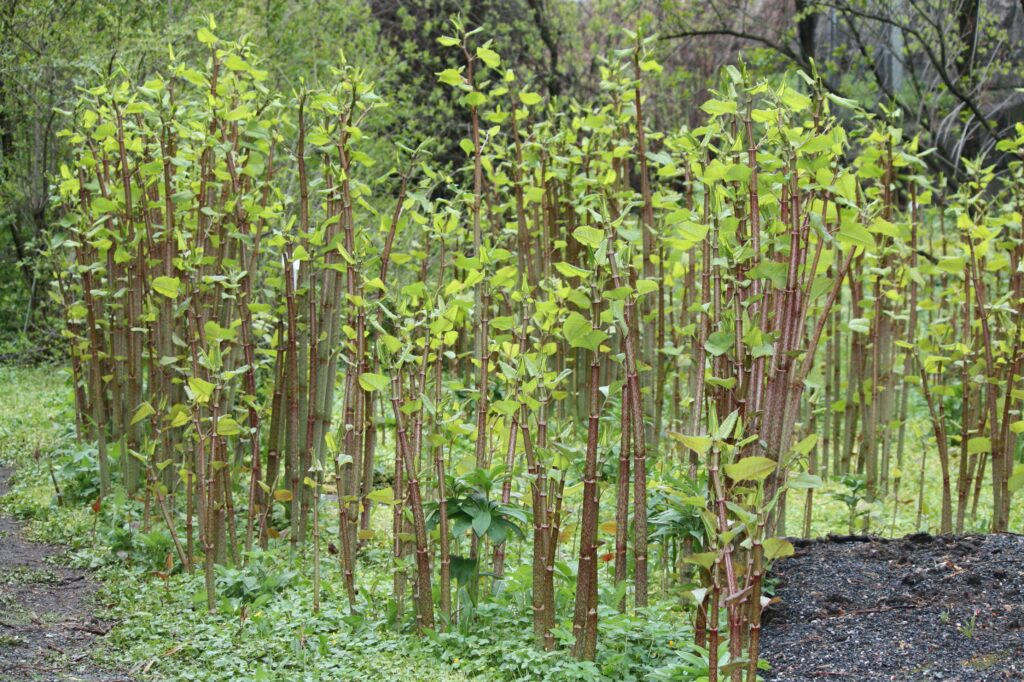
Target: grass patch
(893, 516)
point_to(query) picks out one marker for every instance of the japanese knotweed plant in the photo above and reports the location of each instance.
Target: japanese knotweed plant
(276, 327)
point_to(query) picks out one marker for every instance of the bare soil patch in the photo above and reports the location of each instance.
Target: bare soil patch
(47, 628)
(919, 608)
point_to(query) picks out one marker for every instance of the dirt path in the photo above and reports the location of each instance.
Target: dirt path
(919, 608)
(47, 630)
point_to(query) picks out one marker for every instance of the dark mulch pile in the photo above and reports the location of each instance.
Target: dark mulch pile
(47, 630)
(921, 608)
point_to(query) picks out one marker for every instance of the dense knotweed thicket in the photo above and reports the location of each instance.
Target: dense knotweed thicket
(696, 325)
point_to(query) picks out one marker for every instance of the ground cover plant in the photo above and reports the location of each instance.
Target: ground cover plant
(549, 403)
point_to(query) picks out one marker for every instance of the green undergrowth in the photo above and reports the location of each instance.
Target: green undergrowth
(34, 413)
(895, 512)
(265, 628)
(268, 633)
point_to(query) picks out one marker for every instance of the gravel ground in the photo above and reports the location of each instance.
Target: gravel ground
(919, 608)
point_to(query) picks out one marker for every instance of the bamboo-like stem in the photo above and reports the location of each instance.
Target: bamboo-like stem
(424, 594)
(585, 616)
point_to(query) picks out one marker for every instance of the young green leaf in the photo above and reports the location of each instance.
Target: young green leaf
(777, 548)
(226, 426)
(699, 444)
(145, 410)
(488, 57)
(751, 469)
(588, 236)
(373, 382)
(578, 331)
(166, 286)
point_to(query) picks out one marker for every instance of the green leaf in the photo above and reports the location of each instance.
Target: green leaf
(383, 495)
(506, 407)
(703, 559)
(373, 382)
(795, 101)
(719, 343)
(218, 333)
(804, 481)
(618, 294)
(566, 269)
(805, 446)
(145, 409)
(853, 233)
(239, 113)
(448, 41)
(717, 107)
(842, 101)
(318, 138)
(179, 416)
(200, 388)
(206, 37)
(167, 286)
(235, 63)
(846, 186)
(104, 205)
(530, 98)
(860, 325)
(588, 236)
(463, 568)
(1017, 480)
(727, 426)
(226, 426)
(578, 331)
(952, 264)
(481, 522)
(883, 226)
(646, 286)
(699, 444)
(817, 143)
(498, 531)
(475, 98)
(488, 57)
(979, 444)
(777, 548)
(751, 469)
(450, 77)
